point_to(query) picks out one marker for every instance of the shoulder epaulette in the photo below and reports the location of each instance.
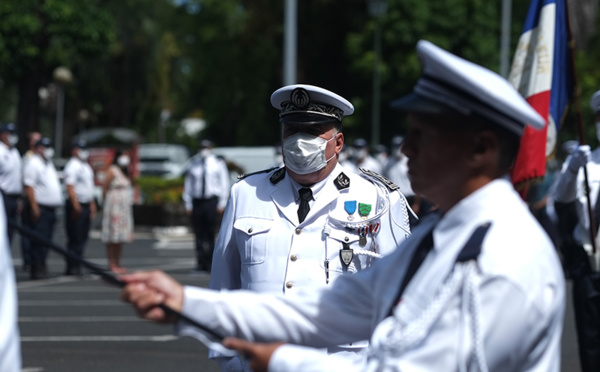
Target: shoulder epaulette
(386, 181)
(242, 176)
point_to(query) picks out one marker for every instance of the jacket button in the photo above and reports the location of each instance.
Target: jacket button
(298, 231)
(250, 230)
(289, 285)
(293, 258)
(346, 239)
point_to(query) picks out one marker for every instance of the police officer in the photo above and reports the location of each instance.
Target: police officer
(10, 173)
(43, 194)
(476, 287)
(581, 263)
(306, 224)
(80, 206)
(205, 195)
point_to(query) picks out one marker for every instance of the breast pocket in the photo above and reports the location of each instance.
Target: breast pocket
(342, 239)
(252, 236)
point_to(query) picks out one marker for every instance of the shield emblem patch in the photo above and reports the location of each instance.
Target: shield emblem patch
(346, 255)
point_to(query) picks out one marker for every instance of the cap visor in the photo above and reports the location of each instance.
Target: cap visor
(415, 103)
(307, 119)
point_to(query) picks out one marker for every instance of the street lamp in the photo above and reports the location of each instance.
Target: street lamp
(62, 76)
(377, 8)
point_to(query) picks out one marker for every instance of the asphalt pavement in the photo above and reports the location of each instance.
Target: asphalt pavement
(79, 324)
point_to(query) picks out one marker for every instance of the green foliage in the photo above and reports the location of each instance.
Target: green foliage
(156, 190)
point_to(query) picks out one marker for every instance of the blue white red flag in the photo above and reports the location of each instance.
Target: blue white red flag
(542, 73)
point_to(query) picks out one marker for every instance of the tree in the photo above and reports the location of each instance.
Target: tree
(38, 35)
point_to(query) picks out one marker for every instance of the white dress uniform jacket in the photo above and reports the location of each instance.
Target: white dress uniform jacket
(11, 181)
(10, 349)
(504, 310)
(42, 177)
(216, 180)
(571, 187)
(80, 175)
(262, 247)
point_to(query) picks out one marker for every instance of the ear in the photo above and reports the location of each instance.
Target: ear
(485, 149)
(339, 142)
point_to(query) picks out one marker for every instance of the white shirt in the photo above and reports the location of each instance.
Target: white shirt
(42, 177)
(10, 170)
(571, 187)
(517, 278)
(216, 180)
(262, 247)
(80, 175)
(10, 346)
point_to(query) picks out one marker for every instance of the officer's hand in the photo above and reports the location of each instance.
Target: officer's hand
(35, 213)
(580, 156)
(145, 290)
(258, 354)
(220, 210)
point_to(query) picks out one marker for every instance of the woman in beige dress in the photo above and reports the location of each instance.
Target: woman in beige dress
(117, 215)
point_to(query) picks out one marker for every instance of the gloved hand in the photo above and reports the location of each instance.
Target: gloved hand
(580, 156)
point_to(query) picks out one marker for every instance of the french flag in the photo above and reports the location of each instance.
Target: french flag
(542, 73)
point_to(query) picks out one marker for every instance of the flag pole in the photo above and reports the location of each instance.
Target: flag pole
(577, 108)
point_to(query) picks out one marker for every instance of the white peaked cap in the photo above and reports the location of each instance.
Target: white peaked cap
(308, 104)
(451, 84)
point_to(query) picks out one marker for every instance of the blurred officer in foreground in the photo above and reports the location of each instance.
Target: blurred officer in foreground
(309, 222)
(43, 194)
(477, 286)
(80, 207)
(581, 263)
(205, 194)
(11, 181)
(10, 349)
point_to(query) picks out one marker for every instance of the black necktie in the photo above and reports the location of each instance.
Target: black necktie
(202, 193)
(417, 259)
(305, 197)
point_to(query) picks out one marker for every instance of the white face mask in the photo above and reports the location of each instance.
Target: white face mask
(598, 130)
(48, 153)
(13, 139)
(83, 155)
(204, 152)
(304, 153)
(123, 161)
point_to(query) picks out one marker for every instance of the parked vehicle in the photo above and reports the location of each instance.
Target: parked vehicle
(162, 159)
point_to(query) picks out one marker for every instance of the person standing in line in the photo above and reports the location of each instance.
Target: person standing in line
(477, 286)
(32, 138)
(11, 179)
(361, 156)
(117, 212)
(10, 346)
(205, 193)
(581, 262)
(43, 196)
(310, 222)
(80, 206)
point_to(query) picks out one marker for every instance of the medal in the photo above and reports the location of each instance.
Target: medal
(362, 233)
(346, 254)
(350, 208)
(364, 210)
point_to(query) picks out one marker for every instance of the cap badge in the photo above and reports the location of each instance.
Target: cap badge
(350, 208)
(300, 98)
(364, 210)
(346, 254)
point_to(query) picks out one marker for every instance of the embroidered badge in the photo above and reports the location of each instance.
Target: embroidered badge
(342, 181)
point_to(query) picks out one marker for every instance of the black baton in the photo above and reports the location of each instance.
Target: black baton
(108, 276)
